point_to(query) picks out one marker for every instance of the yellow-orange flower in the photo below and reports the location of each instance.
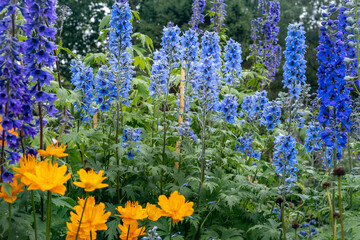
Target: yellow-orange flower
(54, 150)
(90, 180)
(153, 212)
(94, 219)
(16, 188)
(134, 232)
(27, 165)
(131, 213)
(175, 206)
(49, 177)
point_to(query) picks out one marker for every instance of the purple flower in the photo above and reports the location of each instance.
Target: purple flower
(197, 16)
(7, 176)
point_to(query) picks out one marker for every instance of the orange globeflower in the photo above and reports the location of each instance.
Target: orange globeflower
(94, 219)
(54, 150)
(175, 207)
(49, 177)
(134, 232)
(27, 165)
(153, 212)
(90, 180)
(131, 213)
(16, 188)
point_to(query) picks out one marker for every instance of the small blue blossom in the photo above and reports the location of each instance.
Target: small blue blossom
(228, 108)
(232, 62)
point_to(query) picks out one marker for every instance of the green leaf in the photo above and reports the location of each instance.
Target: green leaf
(112, 232)
(62, 96)
(63, 202)
(104, 22)
(68, 51)
(94, 58)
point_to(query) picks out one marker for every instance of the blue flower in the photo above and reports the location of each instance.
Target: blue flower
(285, 157)
(313, 141)
(120, 59)
(245, 146)
(82, 79)
(232, 65)
(7, 176)
(130, 154)
(253, 105)
(264, 31)
(335, 109)
(219, 13)
(295, 63)
(228, 108)
(197, 16)
(271, 114)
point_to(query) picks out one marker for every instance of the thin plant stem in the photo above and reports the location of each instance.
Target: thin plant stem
(283, 220)
(82, 215)
(331, 210)
(90, 235)
(295, 234)
(128, 232)
(203, 135)
(341, 210)
(48, 215)
(171, 230)
(350, 168)
(34, 213)
(9, 236)
(165, 126)
(334, 237)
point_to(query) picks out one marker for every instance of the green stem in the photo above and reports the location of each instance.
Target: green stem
(171, 230)
(9, 236)
(331, 210)
(203, 132)
(34, 213)
(350, 168)
(128, 232)
(295, 234)
(341, 210)
(334, 237)
(283, 220)
(48, 215)
(82, 215)
(164, 139)
(90, 235)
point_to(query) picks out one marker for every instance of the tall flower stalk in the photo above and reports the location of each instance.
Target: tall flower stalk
(120, 66)
(15, 97)
(264, 35)
(38, 54)
(206, 89)
(170, 55)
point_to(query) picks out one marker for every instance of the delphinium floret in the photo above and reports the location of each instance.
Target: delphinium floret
(335, 108)
(82, 79)
(285, 161)
(245, 146)
(129, 140)
(197, 16)
(232, 62)
(271, 115)
(295, 63)
(253, 105)
(15, 97)
(228, 108)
